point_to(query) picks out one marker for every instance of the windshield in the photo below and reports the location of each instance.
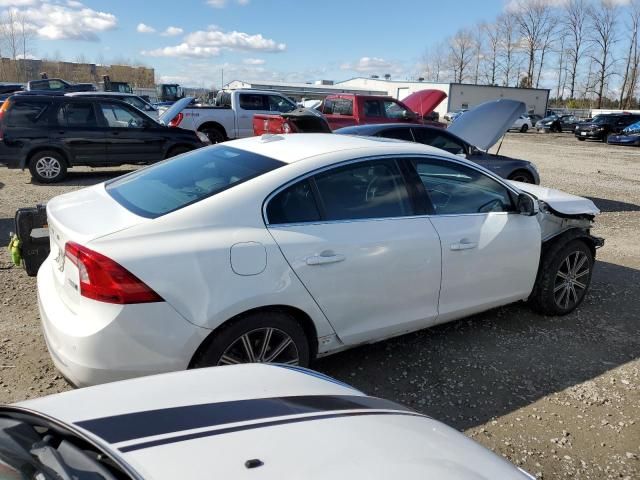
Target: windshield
(34, 448)
(186, 179)
(600, 119)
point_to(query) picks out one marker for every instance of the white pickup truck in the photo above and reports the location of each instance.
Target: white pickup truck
(231, 118)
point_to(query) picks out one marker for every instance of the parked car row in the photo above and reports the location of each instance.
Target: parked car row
(601, 127)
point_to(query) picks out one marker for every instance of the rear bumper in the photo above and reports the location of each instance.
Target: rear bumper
(105, 343)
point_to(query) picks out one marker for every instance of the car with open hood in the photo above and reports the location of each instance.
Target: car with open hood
(284, 248)
(630, 136)
(492, 118)
(261, 422)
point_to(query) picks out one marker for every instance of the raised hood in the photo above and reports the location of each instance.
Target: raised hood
(482, 126)
(561, 202)
(170, 113)
(424, 101)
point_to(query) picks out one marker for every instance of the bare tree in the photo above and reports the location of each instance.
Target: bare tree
(561, 67)
(629, 80)
(603, 38)
(508, 47)
(461, 54)
(546, 43)
(492, 52)
(478, 51)
(434, 61)
(534, 19)
(575, 23)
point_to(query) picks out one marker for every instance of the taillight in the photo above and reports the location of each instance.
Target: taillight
(286, 128)
(104, 280)
(3, 109)
(175, 121)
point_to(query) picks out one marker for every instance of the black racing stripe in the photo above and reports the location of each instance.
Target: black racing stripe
(129, 426)
(254, 426)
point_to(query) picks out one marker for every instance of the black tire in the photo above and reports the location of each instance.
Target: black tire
(524, 128)
(521, 176)
(581, 139)
(175, 151)
(48, 166)
(547, 297)
(226, 343)
(214, 134)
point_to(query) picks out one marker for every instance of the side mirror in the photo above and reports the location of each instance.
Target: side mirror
(527, 205)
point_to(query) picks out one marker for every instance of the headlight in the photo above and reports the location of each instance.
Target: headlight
(203, 138)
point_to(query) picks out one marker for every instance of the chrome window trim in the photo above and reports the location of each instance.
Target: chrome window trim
(464, 163)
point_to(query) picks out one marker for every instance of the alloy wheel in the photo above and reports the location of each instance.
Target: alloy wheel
(48, 167)
(570, 285)
(263, 345)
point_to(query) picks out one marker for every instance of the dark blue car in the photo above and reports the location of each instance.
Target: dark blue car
(629, 136)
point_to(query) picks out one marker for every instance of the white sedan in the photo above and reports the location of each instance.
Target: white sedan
(257, 422)
(522, 123)
(284, 248)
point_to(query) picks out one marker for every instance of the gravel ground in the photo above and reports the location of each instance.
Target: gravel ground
(559, 396)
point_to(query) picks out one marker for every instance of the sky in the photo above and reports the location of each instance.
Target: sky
(205, 42)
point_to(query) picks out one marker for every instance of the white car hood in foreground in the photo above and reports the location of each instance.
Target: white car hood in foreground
(292, 424)
(559, 201)
(482, 126)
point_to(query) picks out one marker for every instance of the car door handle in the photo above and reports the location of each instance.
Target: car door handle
(324, 259)
(463, 245)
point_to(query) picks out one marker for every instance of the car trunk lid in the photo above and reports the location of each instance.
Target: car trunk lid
(482, 126)
(171, 112)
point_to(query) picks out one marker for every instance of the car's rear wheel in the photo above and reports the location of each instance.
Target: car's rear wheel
(564, 278)
(48, 166)
(521, 176)
(581, 139)
(259, 337)
(215, 135)
(524, 128)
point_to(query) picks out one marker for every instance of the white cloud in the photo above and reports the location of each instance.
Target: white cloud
(209, 43)
(58, 22)
(368, 64)
(142, 28)
(223, 3)
(183, 50)
(254, 61)
(16, 3)
(172, 32)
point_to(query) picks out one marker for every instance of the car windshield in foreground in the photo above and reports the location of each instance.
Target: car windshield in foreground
(187, 179)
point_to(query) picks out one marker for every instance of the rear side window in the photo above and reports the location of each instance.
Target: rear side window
(252, 101)
(79, 114)
(174, 184)
(28, 114)
(295, 204)
(338, 106)
(372, 108)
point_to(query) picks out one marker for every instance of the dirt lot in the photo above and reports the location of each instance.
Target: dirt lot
(558, 396)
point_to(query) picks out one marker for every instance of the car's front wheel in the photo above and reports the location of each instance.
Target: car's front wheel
(521, 176)
(564, 278)
(524, 128)
(48, 166)
(259, 337)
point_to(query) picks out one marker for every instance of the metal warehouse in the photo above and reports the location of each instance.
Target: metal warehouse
(459, 95)
(303, 91)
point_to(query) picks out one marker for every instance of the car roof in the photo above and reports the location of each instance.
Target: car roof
(100, 94)
(264, 421)
(299, 146)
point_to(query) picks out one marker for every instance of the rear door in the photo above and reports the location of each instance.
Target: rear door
(84, 138)
(490, 253)
(132, 138)
(351, 236)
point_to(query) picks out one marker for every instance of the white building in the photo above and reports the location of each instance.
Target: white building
(459, 95)
(302, 91)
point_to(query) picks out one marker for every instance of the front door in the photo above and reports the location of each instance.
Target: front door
(490, 253)
(131, 138)
(350, 236)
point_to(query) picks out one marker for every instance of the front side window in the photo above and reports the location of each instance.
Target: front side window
(457, 189)
(135, 102)
(373, 189)
(117, 116)
(294, 204)
(174, 184)
(397, 133)
(77, 114)
(252, 101)
(27, 114)
(280, 104)
(394, 110)
(439, 140)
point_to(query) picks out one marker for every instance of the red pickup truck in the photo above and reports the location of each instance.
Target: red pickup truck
(345, 110)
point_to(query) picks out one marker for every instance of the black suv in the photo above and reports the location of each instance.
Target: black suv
(601, 126)
(48, 134)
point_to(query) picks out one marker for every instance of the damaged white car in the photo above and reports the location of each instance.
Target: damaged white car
(283, 248)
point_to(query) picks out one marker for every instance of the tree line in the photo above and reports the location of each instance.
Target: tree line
(586, 51)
